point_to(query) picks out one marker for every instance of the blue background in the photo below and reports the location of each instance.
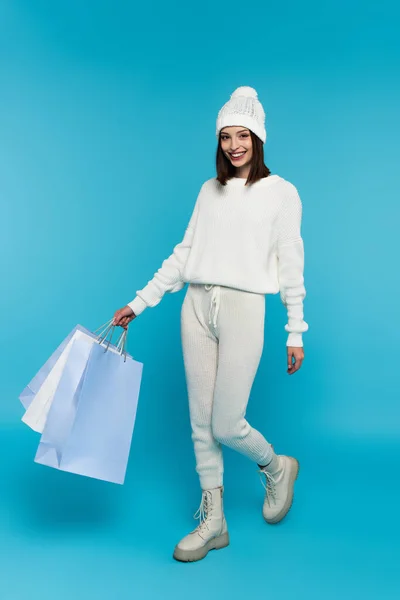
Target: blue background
(107, 131)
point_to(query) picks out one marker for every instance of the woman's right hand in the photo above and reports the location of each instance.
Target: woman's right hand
(123, 317)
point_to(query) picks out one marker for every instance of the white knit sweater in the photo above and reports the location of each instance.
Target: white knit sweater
(245, 237)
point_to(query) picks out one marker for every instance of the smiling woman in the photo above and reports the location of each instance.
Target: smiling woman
(236, 143)
(242, 242)
(240, 152)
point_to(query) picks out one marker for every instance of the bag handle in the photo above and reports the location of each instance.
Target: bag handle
(121, 342)
(103, 327)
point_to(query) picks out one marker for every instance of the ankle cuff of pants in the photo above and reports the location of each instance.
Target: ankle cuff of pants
(209, 482)
(267, 457)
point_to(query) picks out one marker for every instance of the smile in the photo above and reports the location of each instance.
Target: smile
(238, 155)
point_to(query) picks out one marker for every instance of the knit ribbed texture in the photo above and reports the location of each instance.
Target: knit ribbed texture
(244, 237)
(220, 365)
(243, 109)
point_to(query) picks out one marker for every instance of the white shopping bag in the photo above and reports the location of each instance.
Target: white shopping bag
(36, 414)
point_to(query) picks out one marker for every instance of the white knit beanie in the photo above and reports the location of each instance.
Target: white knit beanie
(243, 110)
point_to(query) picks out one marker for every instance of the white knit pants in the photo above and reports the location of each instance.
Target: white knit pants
(222, 332)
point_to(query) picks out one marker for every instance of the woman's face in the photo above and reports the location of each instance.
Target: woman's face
(236, 145)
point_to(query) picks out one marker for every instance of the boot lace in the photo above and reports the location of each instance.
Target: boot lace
(203, 512)
(270, 487)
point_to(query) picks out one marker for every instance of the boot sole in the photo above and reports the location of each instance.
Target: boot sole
(192, 555)
(289, 501)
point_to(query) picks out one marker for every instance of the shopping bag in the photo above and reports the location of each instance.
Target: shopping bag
(89, 427)
(74, 364)
(34, 385)
(38, 395)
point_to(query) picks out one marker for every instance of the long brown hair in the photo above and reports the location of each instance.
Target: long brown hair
(258, 170)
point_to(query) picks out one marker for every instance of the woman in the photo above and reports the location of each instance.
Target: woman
(242, 242)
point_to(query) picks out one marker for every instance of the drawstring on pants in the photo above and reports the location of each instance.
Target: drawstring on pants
(215, 301)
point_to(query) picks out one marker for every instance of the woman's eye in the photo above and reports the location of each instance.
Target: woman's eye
(224, 137)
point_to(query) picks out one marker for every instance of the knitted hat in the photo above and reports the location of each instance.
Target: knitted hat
(243, 109)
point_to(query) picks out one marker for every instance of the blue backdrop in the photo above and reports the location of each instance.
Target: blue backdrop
(107, 121)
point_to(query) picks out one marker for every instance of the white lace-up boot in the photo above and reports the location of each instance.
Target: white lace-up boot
(279, 488)
(210, 534)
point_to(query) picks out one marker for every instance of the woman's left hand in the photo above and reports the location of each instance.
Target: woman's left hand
(298, 354)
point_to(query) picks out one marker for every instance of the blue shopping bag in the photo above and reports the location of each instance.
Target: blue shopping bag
(90, 424)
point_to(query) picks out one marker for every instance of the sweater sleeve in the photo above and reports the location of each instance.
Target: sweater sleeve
(168, 278)
(290, 251)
